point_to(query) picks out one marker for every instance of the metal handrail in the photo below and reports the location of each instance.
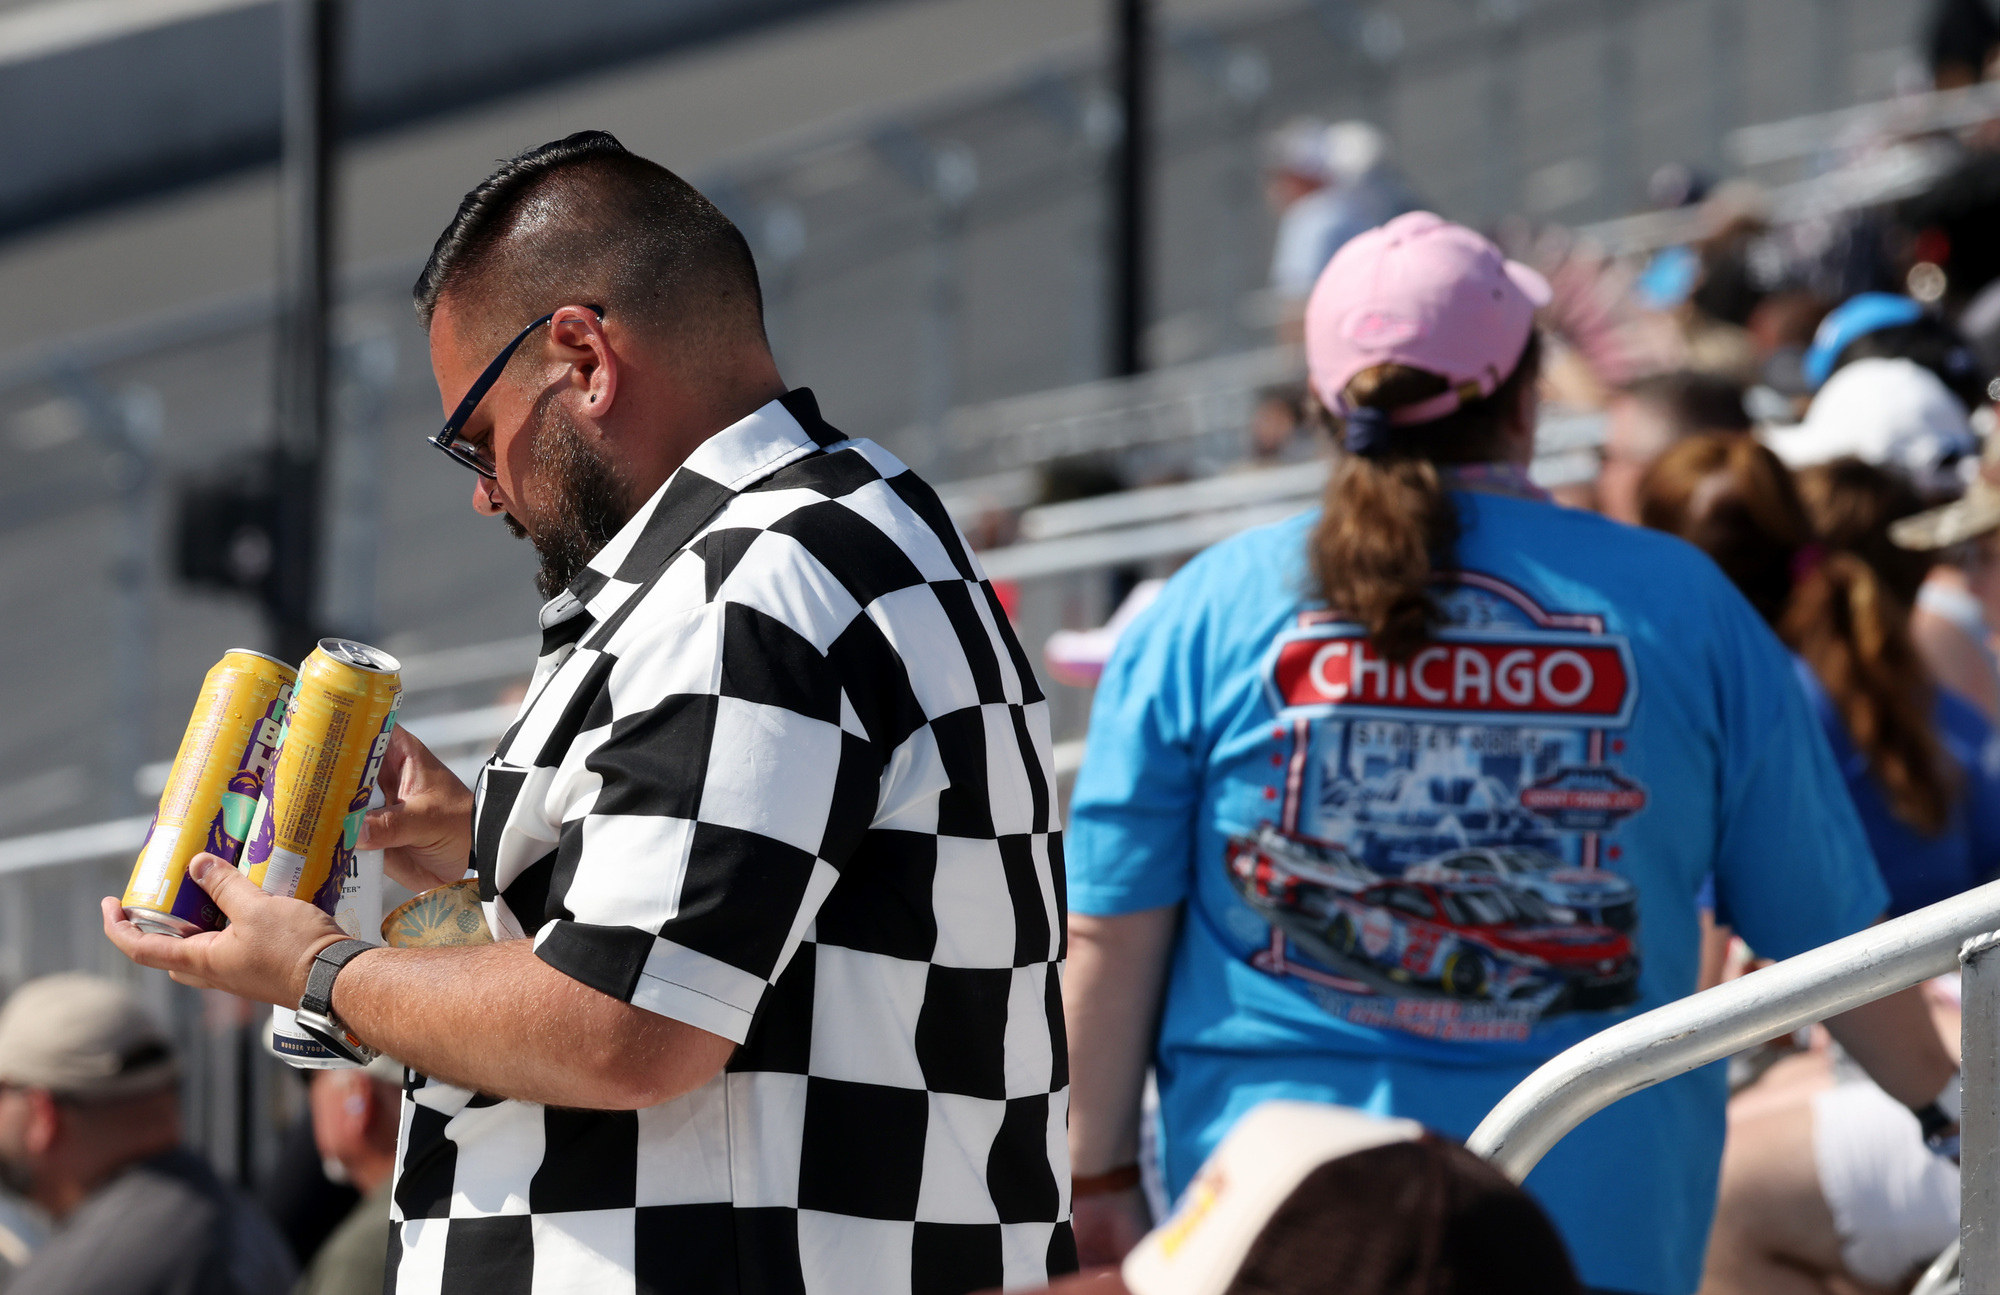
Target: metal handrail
(1941, 1278)
(1708, 1026)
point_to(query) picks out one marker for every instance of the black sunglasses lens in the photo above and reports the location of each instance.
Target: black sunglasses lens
(465, 455)
(473, 459)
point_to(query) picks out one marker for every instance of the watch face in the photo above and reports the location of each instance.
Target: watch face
(336, 1037)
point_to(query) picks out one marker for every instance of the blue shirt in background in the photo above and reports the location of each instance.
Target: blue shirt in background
(1921, 870)
(1405, 887)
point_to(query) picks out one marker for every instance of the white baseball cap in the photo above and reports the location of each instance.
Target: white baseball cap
(1202, 1245)
(1353, 149)
(1892, 413)
(1299, 146)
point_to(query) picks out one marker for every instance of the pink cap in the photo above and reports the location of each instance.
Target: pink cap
(1423, 292)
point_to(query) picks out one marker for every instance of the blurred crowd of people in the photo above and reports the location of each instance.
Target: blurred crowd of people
(1810, 403)
(101, 1197)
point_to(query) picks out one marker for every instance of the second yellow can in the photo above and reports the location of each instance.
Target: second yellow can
(336, 732)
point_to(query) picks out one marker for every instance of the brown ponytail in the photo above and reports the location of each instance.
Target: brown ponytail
(1388, 526)
(1796, 550)
(1850, 619)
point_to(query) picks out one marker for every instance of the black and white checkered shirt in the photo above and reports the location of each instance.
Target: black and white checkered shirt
(783, 773)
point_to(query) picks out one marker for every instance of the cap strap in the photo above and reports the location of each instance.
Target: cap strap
(1438, 406)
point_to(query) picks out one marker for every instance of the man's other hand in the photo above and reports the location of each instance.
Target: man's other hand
(424, 827)
(265, 953)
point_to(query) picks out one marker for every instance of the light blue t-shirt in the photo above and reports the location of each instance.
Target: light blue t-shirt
(1406, 886)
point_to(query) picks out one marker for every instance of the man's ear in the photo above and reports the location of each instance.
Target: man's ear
(581, 338)
(45, 1120)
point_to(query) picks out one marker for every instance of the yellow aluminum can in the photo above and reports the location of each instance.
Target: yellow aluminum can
(329, 754)
(212, 791)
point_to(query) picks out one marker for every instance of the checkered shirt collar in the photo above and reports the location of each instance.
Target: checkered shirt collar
(723, 466)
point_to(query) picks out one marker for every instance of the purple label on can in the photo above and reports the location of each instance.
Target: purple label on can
(235, 815)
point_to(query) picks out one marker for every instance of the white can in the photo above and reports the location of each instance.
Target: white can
(359, 913)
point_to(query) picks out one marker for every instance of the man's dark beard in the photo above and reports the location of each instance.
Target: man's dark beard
(586, 501)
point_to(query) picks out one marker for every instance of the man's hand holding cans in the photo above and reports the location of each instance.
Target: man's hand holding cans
(265, 953)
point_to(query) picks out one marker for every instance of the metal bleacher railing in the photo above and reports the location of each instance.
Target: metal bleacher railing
(1834, 978)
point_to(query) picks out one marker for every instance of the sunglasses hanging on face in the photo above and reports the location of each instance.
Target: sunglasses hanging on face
(458, 447)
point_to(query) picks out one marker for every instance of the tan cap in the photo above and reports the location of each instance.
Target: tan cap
(82, 1036)
(1202, 1245)
(1968, 517)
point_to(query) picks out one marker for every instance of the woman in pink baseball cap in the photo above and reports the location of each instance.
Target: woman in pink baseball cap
(1420, 339)
(1387, 804)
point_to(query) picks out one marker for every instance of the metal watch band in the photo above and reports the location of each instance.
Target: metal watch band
(318, 998)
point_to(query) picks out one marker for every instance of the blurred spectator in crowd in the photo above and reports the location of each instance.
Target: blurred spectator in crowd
(1814, 558)
(1301, 1199)
(304, 1204)
(1655, 412)
(1947, 251)
(1959, 603)
(1781, 331)
(1884, 325)
(1329, 183)
(1675, 184)
(1828, 1185)
(1255, 852)
(1739, 264)
(1899, 414)
(1895, 414)
(1961, 39)
(1847, 323)
(355, 1118)
(1671, 273)
(1942, 244)
(1866, 1200)
(90, 1132)
(1280, 429)
(1979, 322)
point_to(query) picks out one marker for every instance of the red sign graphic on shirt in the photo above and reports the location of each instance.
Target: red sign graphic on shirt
(1549, 677)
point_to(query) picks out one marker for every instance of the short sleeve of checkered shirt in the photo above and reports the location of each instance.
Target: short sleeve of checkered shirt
(785, 776)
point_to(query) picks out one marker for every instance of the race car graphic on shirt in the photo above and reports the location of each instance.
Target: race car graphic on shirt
(1442, 862)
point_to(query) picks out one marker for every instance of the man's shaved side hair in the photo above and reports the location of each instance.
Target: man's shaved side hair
(585, 221)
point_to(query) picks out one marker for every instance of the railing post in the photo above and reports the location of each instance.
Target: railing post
(1979, 1142)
